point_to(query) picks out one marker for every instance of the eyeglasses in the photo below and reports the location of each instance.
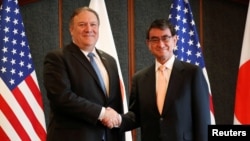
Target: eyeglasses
(164, 39)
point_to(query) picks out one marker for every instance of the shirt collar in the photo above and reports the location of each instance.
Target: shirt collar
(169, 64)
(93, 51)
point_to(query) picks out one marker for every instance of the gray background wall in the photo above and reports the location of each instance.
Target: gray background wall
(223, 23)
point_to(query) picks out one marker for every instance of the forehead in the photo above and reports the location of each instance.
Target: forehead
(85, 16)
(159, 32)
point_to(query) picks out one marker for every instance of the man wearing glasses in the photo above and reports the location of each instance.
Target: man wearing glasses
(169, 99)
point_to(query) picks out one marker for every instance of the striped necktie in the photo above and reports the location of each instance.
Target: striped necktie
(161, 87)
(94, 65)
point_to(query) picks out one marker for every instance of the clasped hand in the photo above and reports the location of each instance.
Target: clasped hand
(111, 118)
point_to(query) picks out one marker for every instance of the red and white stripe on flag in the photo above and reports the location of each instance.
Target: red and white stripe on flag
(106, 43)
(22, 114)
(242, 97)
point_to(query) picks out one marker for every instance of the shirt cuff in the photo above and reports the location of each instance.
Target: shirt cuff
(101, 115)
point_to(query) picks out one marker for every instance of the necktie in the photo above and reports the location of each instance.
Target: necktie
(161, 87)
(94, 65)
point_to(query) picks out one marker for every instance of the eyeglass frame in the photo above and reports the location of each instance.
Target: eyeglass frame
(156, 40)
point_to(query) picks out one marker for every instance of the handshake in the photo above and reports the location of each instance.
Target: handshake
(111, 118)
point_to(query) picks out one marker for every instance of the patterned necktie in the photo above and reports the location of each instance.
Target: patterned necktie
(161, 87)
(93, 63)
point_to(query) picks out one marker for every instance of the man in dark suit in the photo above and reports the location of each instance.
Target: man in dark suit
(78, 103)
(181, 112)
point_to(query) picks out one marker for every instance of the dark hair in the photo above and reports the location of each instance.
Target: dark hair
(161, 24)
(79, 10)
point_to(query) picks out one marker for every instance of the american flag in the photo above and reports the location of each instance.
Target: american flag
(188, 46)
(21, 107)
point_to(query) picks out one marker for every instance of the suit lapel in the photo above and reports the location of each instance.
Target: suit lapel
(76, 52)
(173, 87)
(149, 89)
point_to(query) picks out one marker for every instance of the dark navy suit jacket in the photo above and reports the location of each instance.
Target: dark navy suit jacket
(186, 113)
(76, 96)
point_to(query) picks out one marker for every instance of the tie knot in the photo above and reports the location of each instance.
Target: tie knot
(91, 55)
(162, 68)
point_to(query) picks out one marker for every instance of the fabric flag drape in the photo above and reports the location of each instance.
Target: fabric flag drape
(106, 43)
(242, 98)
(188, 47)
(21, 107)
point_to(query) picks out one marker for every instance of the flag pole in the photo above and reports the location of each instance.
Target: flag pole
(131, 47)
(131, 39)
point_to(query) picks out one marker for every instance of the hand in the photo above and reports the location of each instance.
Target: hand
(111, 118)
